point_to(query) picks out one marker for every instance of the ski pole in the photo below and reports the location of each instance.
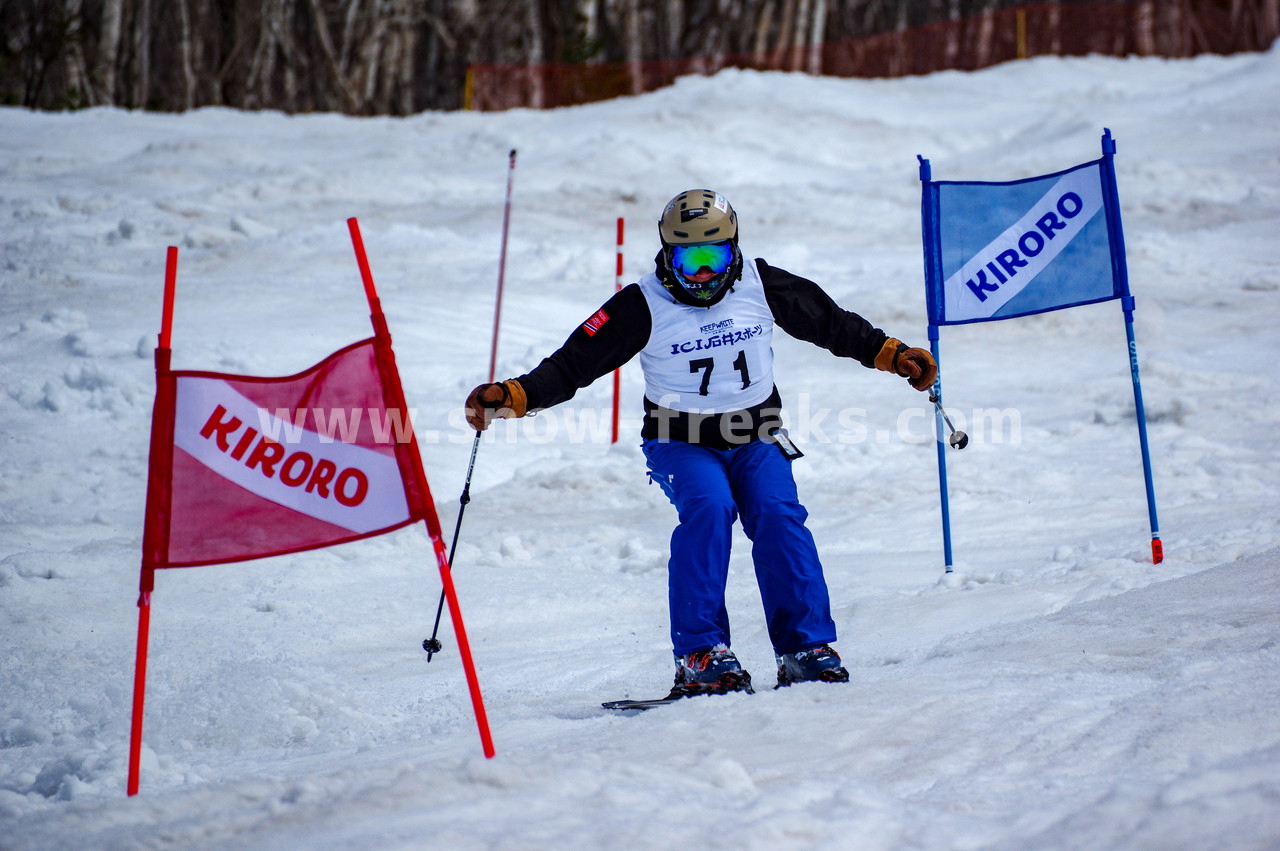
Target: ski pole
(958, 439)
(502, 265)
(432, 645)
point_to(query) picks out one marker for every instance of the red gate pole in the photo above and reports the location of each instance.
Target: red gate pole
(617, 373)
(140, 679)
(460, 635)
(155, 531)
(431, 519)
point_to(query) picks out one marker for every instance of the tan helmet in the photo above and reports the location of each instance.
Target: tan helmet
(698, 215)
(695, 218)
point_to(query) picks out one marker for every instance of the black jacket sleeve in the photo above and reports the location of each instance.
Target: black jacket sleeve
(806, 312)
(610, 337)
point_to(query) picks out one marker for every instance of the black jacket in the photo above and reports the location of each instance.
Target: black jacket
(799, 306)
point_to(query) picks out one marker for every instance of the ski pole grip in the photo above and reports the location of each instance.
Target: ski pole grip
(497, 403)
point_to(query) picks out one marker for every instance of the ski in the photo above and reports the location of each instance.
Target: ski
(640, 705)
(675, 696)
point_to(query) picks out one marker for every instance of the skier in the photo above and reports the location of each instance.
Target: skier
(701, 323)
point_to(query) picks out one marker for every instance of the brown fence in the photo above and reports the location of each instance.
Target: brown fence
(1172, 28)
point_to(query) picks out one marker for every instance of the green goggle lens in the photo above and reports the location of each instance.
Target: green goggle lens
(690, 259)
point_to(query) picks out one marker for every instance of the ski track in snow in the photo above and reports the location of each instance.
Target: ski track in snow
(1056, 691)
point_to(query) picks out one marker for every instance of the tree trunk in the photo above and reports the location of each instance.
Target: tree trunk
(634, 45)
(1144, 24)
(537, 56)
(1270, 21)
(760, 47)
(817, 36)
(108, 52)
(142, 54)
(783, 43)
(185, 50)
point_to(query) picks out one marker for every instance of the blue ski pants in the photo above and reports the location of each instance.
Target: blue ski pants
(711, 489)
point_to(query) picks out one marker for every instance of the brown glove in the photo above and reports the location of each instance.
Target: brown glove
(915, 365)
(503, 400)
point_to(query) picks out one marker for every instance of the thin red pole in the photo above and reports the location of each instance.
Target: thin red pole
(170, 287)
(140, 680)
(617, 373)
(362, 259)
(160, 432)
(366, 274)
(432, 521)
(464, 645)
(502, 266)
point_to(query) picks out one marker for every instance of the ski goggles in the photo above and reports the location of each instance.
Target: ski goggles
(690, 259)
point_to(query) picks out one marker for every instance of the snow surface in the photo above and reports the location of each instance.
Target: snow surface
(1057, 691)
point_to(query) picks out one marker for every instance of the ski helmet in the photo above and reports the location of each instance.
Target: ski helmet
(700, 259)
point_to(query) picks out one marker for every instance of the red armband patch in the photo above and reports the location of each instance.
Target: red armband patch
(595, 323)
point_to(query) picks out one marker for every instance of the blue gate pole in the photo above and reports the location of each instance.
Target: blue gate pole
(942, 454)
(932, 287)
(1157, 548)
(1120, 271)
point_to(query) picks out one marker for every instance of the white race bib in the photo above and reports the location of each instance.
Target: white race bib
(709, 359)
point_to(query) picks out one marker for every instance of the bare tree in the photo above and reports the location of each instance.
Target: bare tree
(817, 36)
(108, 51)
(402, 56)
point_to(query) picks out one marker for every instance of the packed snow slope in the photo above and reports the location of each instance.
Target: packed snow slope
(1057, 691)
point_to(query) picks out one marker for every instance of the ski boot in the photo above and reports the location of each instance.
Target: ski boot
(817, 664)
(713, 671)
